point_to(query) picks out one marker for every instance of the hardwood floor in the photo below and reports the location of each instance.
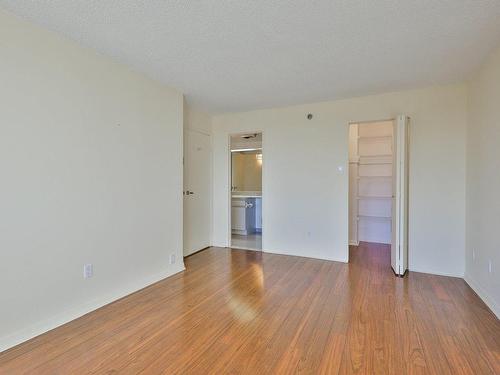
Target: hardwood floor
(249, 312)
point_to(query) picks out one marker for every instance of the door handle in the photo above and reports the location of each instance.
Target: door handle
(189, 192)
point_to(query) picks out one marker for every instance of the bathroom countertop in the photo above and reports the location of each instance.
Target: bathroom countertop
(246, 196)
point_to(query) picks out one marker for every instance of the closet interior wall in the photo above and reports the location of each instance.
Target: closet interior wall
(370, 182)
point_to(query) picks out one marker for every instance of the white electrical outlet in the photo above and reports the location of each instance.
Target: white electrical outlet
(172, 258)
(88, 271)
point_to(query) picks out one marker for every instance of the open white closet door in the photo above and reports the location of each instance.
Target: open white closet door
(399, 246)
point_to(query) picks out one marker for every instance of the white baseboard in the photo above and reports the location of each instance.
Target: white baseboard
(485, 296)
(220, 244)
(431, 272)
(75, 312)
(345, 260)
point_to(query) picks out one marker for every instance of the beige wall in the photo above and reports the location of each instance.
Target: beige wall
(483, 183)
(305, 197)
(247, 172)
(91, 161)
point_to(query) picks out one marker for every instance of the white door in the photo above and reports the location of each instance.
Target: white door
(399, 246)
(197, 188)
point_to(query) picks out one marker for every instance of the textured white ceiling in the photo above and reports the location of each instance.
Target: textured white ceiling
(241, 55)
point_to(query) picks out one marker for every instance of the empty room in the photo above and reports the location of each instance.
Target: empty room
(236, 187)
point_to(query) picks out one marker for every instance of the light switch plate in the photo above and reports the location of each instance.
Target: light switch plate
(88, 271)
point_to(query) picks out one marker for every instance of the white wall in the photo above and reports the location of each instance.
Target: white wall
(483, 183)
(305, 199)
(91, 172)
(195, 119)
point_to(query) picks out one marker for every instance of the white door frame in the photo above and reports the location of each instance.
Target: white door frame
(230, 182)
(399, 246)
(348, 177)
(399, 254)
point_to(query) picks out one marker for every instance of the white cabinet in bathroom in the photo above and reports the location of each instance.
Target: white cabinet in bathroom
(243, 216)
(238, 216)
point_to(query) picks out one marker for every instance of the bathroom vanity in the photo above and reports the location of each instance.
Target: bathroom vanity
(246, 213)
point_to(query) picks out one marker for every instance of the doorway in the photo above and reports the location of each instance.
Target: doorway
(246, 191)
(378, 183)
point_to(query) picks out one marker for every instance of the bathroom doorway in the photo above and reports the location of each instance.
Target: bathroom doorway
(246, 191)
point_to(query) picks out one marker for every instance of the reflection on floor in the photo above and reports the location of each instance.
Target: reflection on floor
(251, 241)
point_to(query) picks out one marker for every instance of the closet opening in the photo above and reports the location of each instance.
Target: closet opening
(371, 189)
(246, 191)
